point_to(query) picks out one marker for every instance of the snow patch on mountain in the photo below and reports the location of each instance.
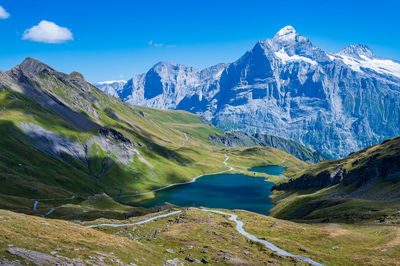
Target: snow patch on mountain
(335, 103)
(287, 58)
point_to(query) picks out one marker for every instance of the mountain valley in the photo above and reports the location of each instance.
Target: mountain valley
(77, 163)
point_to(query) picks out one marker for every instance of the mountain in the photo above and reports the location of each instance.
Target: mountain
(243, 139)
(111, 87)
(335, 103)
(364, 185)
(63, 142)
(69, 154)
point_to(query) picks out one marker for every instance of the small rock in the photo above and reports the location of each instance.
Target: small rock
(173, 262)
(190, 259)
(335, 247)
(189, 247)
(384, 250)
(169, 251)
(53, 253)
(204, 261)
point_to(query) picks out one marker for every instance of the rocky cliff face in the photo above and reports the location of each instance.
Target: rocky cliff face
(335, 103)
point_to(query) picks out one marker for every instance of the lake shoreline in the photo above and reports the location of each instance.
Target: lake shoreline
(182, 183)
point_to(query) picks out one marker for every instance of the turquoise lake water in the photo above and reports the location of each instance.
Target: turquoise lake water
(227, 191)
(269, 169)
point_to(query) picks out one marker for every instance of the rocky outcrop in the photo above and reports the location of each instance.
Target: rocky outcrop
(335, 103)
(109, 140)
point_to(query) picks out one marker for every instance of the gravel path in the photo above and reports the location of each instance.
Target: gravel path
(239, 228)
(136, 223)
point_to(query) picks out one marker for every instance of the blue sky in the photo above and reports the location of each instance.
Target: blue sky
(111, 39)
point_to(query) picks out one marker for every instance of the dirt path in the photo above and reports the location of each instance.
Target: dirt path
(239, 228)
(137, 223)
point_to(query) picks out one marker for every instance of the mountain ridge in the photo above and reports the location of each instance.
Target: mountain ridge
(287, 87)
(64, 139)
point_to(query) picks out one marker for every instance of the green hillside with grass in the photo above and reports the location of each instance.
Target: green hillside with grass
(63, 141)
(363, 186)
(192, 236)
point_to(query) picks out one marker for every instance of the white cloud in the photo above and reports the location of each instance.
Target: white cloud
(3, 13)
(151, 43)
(47, 32)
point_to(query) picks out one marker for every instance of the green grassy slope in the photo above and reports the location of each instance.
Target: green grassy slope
(363, 186)
(45, 154)
(195, 234)
(243, 139)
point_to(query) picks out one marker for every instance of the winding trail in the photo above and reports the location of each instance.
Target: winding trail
(239, 228)
(136, 223)
(48, 213)
(230, 168)
(52, 209)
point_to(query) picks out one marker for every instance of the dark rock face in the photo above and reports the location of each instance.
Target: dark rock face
(242, 139)
(335, 103)
(113, 134)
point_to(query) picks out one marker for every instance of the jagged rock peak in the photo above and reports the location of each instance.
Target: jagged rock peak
(172, 66)
(77, 75)
(33, 66)
(356, 50)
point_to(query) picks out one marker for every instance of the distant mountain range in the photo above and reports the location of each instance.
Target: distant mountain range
(336, 103)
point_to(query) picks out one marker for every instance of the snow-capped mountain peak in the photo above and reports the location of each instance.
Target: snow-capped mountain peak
(287, 32)
(288, 87)
(287, 36)
(361, 59)
(356, 51)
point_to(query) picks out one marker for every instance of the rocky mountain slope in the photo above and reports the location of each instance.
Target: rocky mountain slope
(64, 141)
(364, 185)
(243, 139)
(335, 103)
